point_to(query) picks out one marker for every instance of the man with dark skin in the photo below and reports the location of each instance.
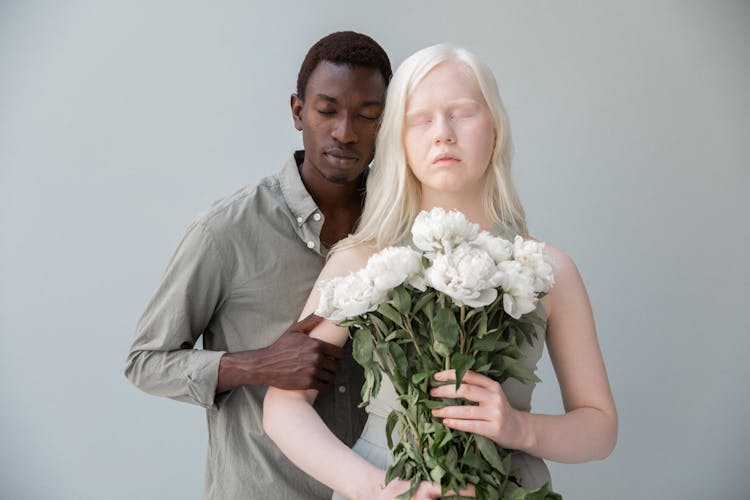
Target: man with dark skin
(338, 129)
(245, 268)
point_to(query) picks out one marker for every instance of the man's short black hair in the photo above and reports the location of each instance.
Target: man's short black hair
(344, 47)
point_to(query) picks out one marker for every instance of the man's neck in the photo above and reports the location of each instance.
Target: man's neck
(341, 204)
(331, 196)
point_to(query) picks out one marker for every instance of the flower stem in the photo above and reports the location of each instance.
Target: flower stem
(409, 329)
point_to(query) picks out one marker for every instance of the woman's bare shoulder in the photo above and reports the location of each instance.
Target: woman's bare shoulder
(347, 260)
(561, 260)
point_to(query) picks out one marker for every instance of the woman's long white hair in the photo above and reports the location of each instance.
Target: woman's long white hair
(393, 192)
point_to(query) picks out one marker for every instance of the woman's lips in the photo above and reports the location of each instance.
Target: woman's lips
(445, 159)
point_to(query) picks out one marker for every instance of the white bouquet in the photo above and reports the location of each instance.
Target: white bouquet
(462, 300)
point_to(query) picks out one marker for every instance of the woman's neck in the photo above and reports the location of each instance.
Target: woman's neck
(470, 206)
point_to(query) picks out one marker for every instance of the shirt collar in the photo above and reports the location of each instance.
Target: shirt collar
(297, 198)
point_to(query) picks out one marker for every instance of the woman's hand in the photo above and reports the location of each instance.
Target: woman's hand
(425, 491)
(493, 418)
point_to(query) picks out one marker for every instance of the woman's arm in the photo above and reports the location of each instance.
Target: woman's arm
(297, 429)
(588, 429)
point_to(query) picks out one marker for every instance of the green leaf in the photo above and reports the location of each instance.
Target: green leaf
(446, 438)
(362, 347)
(451, 461)
(429, 308)
(446, 329)
(399, 358)
(389, 425)
(389, 312)
(423, 301)
(431, 404)
(516, 370)
(482, 327)
(437, 473)
(350, 322)
(461, 363)
(382, 349)
(474, 461)
(377, 378)
(379, 324)
(399, 334)
(366, 390)
(396, 468)
(488, 449)
(402, 300)
(421, 376)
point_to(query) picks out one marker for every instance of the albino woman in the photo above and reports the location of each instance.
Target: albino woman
(445, 142)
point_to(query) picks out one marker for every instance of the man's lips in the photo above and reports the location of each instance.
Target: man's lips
(341, 154)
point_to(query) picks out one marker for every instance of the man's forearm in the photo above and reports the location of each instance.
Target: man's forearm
(241, 368)
(187, 375)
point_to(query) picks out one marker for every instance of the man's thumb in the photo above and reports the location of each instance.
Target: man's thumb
(308, 323)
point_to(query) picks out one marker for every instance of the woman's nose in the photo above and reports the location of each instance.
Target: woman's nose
(443, 131)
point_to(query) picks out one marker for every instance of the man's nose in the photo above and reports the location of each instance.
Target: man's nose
(343, 130)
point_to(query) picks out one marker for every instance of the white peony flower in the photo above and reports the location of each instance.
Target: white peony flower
(393, 266)
(326, 307)
(517, 282)
(531, 254)
(499, 249)
(441, 231)
(349, 296)
(467, 275)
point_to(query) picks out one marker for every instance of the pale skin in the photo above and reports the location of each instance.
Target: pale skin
(448, 137)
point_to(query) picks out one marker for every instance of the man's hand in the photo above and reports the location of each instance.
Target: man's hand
(293, 362)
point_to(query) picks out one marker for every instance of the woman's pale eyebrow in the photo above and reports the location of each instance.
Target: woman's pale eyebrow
(462, 101)
(452, 102)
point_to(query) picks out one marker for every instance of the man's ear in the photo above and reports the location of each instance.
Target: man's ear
(297, 104)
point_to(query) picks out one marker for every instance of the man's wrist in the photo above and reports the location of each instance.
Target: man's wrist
(240, 368)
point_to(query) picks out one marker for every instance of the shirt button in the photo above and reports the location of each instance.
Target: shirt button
(317, 217)
(299, 220)
(342, 389)
(310, 244)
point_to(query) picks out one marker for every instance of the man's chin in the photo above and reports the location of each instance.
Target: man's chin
(341, 180)
(343, 177)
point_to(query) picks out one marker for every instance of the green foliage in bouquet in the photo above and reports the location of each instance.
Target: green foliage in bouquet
(417, 334)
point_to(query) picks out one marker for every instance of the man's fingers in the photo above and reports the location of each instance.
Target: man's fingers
(307, 324)
(331, 350)
(319, 385)
(328, 364)
(324, 375)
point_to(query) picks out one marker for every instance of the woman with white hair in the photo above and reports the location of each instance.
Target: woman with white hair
(444, 141)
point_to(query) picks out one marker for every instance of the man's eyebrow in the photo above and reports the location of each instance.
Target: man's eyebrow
(333, 100)
(327, 98)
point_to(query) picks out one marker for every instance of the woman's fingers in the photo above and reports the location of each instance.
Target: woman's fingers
(431, 491)
(470, 377)
(469, 391)
(466, 412)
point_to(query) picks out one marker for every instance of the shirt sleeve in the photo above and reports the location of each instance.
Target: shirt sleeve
(162, 360)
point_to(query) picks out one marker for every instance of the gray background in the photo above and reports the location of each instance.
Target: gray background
(121, 121)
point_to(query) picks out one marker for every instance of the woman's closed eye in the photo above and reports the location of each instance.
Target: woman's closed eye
(418, 119)
(463, 111)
